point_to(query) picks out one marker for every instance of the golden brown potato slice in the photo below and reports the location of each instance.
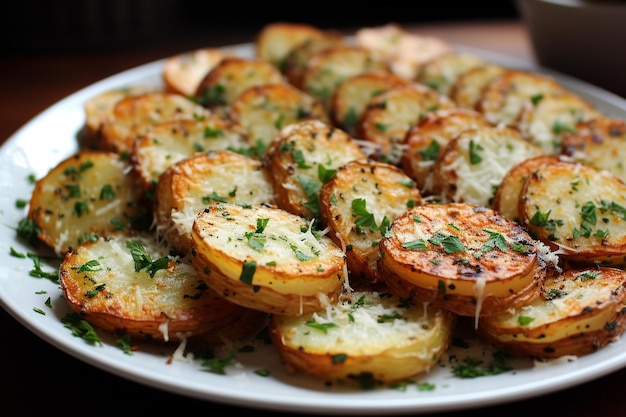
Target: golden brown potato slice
(354, 93)
(191, 184)
(169, 142)
(302, 158)
(183, 72)
(577, 210)
(296, 61)
(389, 116)
(328, 68)
(365, 337)
(472, 165)
(89, 194)
(267, 259)
(231, 76)
(128, 284)
(133, 116)
(358, 204)
(441, 72)
(579, 311)
(265, 109)
(506, 199)
(468, 86)
(99, 108)
(546, 119)
(461, 257)
(425, 139)
(503, 98)
(403, 51)
(599, 142)
(275, 40)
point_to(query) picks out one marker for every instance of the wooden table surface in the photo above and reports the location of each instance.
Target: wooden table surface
(36, 378)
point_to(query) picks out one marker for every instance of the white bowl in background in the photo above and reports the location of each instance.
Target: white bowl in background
(583, 38)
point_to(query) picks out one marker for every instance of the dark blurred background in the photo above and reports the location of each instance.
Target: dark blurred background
(72, 25)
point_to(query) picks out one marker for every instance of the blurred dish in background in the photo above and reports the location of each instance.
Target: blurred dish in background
(582, 38)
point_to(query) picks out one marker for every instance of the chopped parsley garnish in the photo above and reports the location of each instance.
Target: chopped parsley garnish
(473, 368)
(495, 240)
(322, 327)
(451, 244)
(143, 260)
(247, 272)
(475, 158)
(81, 328)
(218, 365)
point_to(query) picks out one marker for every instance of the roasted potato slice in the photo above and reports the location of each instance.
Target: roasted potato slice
(503, 98)
(328, 68)
(99, 108)
(472, 165)
(547, 118)
(191, 184)
(388, 117)
(578, 312)
(599, 142)
(183, 72)
(230, 77)
(441, 72)
(267, 259)
(133, 116)
(275, 40)
(425, 139)
(462, 257)
(578, 211)
(365, 337)
(89, 194)
(358, 204)
(128, 284)
(297, 60)
(506, 199)
(468, 86)
(302, 158)
(403, 51)
(169, 142)
(354, 93)
(265, 109)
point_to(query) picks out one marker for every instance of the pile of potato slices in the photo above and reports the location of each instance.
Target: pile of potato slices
(355, 196)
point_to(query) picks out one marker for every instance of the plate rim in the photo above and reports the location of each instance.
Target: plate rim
(359, 405)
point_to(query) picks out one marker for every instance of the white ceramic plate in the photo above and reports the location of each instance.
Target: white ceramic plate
(51, 136)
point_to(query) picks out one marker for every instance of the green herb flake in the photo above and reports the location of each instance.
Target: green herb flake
(13, 252)
(322, 327)
(451, 244)
(143, 260)
(431, 151)
(495, 240)
(587, 275)
(81, 328)
(89, 266)
(298, 157)
(262, 372)
(425, 387)
(417, 244)
(125, 343)
(473, 368)
(20, 203)
(338, 358)
(218, 365)
(474, 148)
(107, 193)
(38, 272)
(247, 272)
